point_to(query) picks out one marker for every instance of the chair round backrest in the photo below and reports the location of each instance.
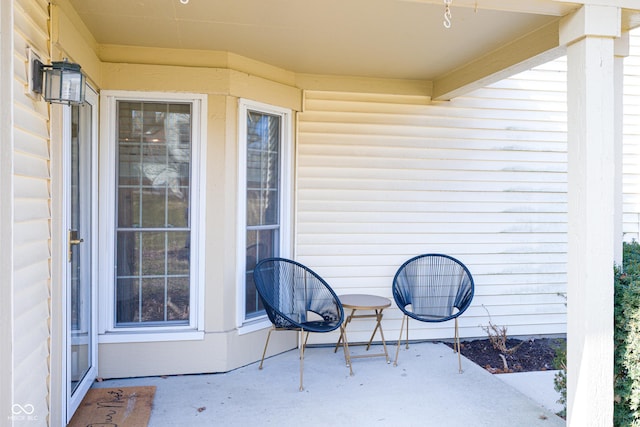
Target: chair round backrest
(295, 297)
(433, 287)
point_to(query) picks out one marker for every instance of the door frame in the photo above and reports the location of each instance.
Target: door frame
(62, 408)
(73, 402)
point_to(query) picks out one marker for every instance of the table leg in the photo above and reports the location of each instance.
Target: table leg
(345, 348)
(379, 327)
(384, 342)
(378, 319)
(343, 326)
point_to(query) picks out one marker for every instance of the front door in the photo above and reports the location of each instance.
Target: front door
(80, 148)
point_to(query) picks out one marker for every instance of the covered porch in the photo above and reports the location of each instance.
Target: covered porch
(374, 101)
(425, 389)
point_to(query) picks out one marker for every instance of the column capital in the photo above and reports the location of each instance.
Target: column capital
(591, 21)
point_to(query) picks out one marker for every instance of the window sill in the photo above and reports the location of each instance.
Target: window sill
(160, 336)
(254, 325)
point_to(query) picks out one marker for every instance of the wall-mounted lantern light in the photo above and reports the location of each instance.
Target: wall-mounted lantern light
(63, 82)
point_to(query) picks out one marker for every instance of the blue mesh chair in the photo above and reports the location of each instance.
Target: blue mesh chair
(296, 299)
(432, 288)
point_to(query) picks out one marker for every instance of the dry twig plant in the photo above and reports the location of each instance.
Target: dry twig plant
(498, 339)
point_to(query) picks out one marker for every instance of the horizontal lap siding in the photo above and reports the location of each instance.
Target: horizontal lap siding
(382, 178)
(631, 148)
(32, 214)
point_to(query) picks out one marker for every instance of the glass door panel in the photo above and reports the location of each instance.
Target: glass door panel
(79, 240)
(79, 152)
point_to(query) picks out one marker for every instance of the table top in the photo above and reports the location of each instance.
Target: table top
(364, 301)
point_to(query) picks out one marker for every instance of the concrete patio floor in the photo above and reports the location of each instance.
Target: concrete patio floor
(425, 389)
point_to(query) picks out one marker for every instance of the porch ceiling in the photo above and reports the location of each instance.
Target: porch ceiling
(398, 39)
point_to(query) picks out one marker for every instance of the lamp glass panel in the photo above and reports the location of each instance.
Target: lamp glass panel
(64, 86)
(71, 88)
(52, 85)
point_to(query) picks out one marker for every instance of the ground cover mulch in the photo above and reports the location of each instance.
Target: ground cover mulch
(536, 354)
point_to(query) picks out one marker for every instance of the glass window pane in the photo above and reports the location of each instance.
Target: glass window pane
(127, 300)
(153, 194)
(128, 249)
(253, 250)
(128, 207)
(155, 171)
(129, 123)
(153, 300)
(270, 207)
(262, 197)
(178, 298)
(261, 244)
(153, 207)
(253, 303)
(153, 253)
(254, 208)
(129, 160)
(178, 209)
(178, 252)
(153, 116)
(268, 243)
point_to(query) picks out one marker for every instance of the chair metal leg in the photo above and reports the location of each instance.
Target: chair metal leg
(302, 344)
(306, 339)
(265, 346)
(407, 332)
(395, 362)
(457, 344)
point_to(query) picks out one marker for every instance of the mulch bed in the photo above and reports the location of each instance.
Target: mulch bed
(531, 355)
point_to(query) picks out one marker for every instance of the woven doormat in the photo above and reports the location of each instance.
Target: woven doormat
(122, 407)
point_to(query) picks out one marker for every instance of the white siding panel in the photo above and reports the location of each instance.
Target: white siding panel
(33, 248)
(30, 187)
(482, 178)
(30, 165)
(32, 231)
(31, 251)
(30, 120)
(31, 24)
(30, 143)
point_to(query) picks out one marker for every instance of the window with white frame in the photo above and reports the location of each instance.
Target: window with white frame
(151, 227)
(264, 201)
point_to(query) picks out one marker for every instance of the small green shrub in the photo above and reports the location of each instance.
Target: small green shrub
(560, 379)
(627, 338)
(626, 343)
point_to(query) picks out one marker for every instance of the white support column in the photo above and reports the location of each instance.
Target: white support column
(589, 35)
(621, 51)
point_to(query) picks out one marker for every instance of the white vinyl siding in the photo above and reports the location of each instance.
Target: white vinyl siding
(32, 219)
(382, 178)
(631, 141)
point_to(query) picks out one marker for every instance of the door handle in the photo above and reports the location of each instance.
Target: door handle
(73, 240)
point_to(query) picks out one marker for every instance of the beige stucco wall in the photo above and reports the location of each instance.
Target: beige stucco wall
(222, 348)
